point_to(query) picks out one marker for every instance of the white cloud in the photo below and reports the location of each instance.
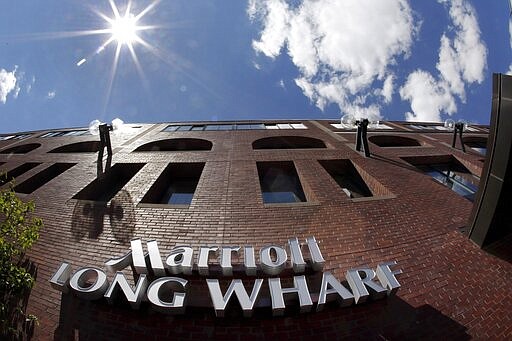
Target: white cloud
(427, 96)
(462, 61)
(8, 84)
(341, 48)
(387, 89)
(281, 84)
(51, 95)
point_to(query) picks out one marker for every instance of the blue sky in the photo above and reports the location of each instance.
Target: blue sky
(255, 59)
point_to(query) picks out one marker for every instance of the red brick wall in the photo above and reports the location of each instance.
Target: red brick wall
(450, 288)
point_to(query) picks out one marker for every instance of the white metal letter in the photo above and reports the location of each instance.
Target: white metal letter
(204, 255)
(273, 267)
(345, 297)
(387, 277)
(317, 260)
(225, 259)
(249, 261)
(60, 279)
(155, 259)
(359, 284)
(139, 261)
(180, 260)
(81, 283)
(236, 286)
(298, 263)
(134, 297)
(277, 292)
(177, 305)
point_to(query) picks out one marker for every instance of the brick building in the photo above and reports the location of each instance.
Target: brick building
(262, 183)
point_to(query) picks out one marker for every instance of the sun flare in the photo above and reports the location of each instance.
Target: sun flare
(124, 29)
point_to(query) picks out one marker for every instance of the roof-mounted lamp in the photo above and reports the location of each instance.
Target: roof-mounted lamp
(349, 121)
(458, 129)
(97, 127)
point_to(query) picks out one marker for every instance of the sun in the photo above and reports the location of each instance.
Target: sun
(124, 29)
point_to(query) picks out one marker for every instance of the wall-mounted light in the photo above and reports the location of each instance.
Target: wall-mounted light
(97, 127)
(458, 129)
(348, 121)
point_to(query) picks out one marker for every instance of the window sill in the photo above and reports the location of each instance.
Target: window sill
(164, 206)
(290, 204)
(380, 197)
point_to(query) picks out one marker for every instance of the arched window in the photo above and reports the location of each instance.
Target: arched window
(287, 142)
(79, 147)
(394, 141)
(21, 149)
(171, 145)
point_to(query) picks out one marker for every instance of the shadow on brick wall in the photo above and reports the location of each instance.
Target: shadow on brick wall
(389, 319)
(89, 216)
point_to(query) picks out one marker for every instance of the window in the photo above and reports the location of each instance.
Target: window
(14, 137)
(448, 171)
(234, 126)
(255, 126)
(279, 182)
(429, 127)
(287, 142)
(14, 173)
(41, 178)
(176, 185)
(80, 132)
(347, 177)
(21, 149)
(79, 147)
(105, 187)
(371, 126)
(394, 141)
(175, 145)
(477, 143)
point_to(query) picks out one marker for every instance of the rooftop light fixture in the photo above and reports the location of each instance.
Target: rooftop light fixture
(349, 122)
(458, 128)
(97, 127)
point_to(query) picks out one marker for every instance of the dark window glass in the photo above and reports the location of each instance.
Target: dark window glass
(279, 182)
(105, 187)
(21, 149)
(176, 185)
(347, 177)
(252, 126)
(171, 128)
(175, 145)
(22, 136)
(226, 126)
(453, 176)
(477, 143)
(79, 147)
(394, 141)
(287, 142)
(41, 178)
(184, 128)
(197, 127)
(14, 173)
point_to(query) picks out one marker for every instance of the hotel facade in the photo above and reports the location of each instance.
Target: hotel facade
(158, 239)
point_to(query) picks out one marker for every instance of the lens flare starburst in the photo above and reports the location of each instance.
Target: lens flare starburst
(123, 29)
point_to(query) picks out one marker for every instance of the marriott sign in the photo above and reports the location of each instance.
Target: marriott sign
(157, 281)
